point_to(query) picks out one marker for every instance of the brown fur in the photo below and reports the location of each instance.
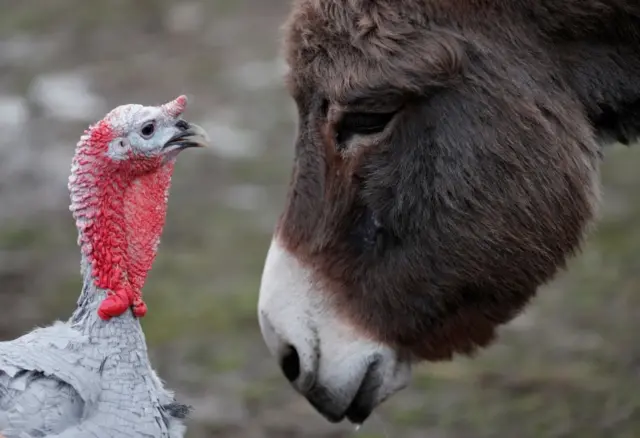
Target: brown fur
(432, 233)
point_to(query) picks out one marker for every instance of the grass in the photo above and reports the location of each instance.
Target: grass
(25, 18)
(20, 237)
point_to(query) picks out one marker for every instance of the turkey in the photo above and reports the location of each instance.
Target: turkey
(90, 377)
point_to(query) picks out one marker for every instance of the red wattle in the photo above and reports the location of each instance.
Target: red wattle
(120, 219)
(139, 307)
(114, 305)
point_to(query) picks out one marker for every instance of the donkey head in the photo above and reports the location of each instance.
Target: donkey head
(446, 165)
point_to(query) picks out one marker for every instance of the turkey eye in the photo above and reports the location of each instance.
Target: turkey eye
(361, 124)
(148, 130)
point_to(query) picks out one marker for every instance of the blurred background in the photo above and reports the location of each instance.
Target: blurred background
(568, 367)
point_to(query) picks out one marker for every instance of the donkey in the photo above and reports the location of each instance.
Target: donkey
(446, 166)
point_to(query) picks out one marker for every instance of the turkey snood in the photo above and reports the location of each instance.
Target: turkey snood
(91, 376)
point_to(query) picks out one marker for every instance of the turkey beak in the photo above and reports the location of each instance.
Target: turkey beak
(190, 135)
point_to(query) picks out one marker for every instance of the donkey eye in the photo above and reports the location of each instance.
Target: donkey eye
(361, 124)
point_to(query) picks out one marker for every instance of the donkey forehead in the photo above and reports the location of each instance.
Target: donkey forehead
(343, 55)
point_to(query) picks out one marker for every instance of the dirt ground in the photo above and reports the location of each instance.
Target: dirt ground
(568, 367)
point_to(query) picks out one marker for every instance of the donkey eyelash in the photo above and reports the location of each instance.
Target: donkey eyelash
(361, 124)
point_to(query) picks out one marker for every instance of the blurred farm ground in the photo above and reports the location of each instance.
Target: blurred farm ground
(568, 367)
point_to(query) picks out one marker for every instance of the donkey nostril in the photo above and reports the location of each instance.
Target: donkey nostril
(290, 363)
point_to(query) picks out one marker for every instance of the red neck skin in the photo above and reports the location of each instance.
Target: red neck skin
(120, 213)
